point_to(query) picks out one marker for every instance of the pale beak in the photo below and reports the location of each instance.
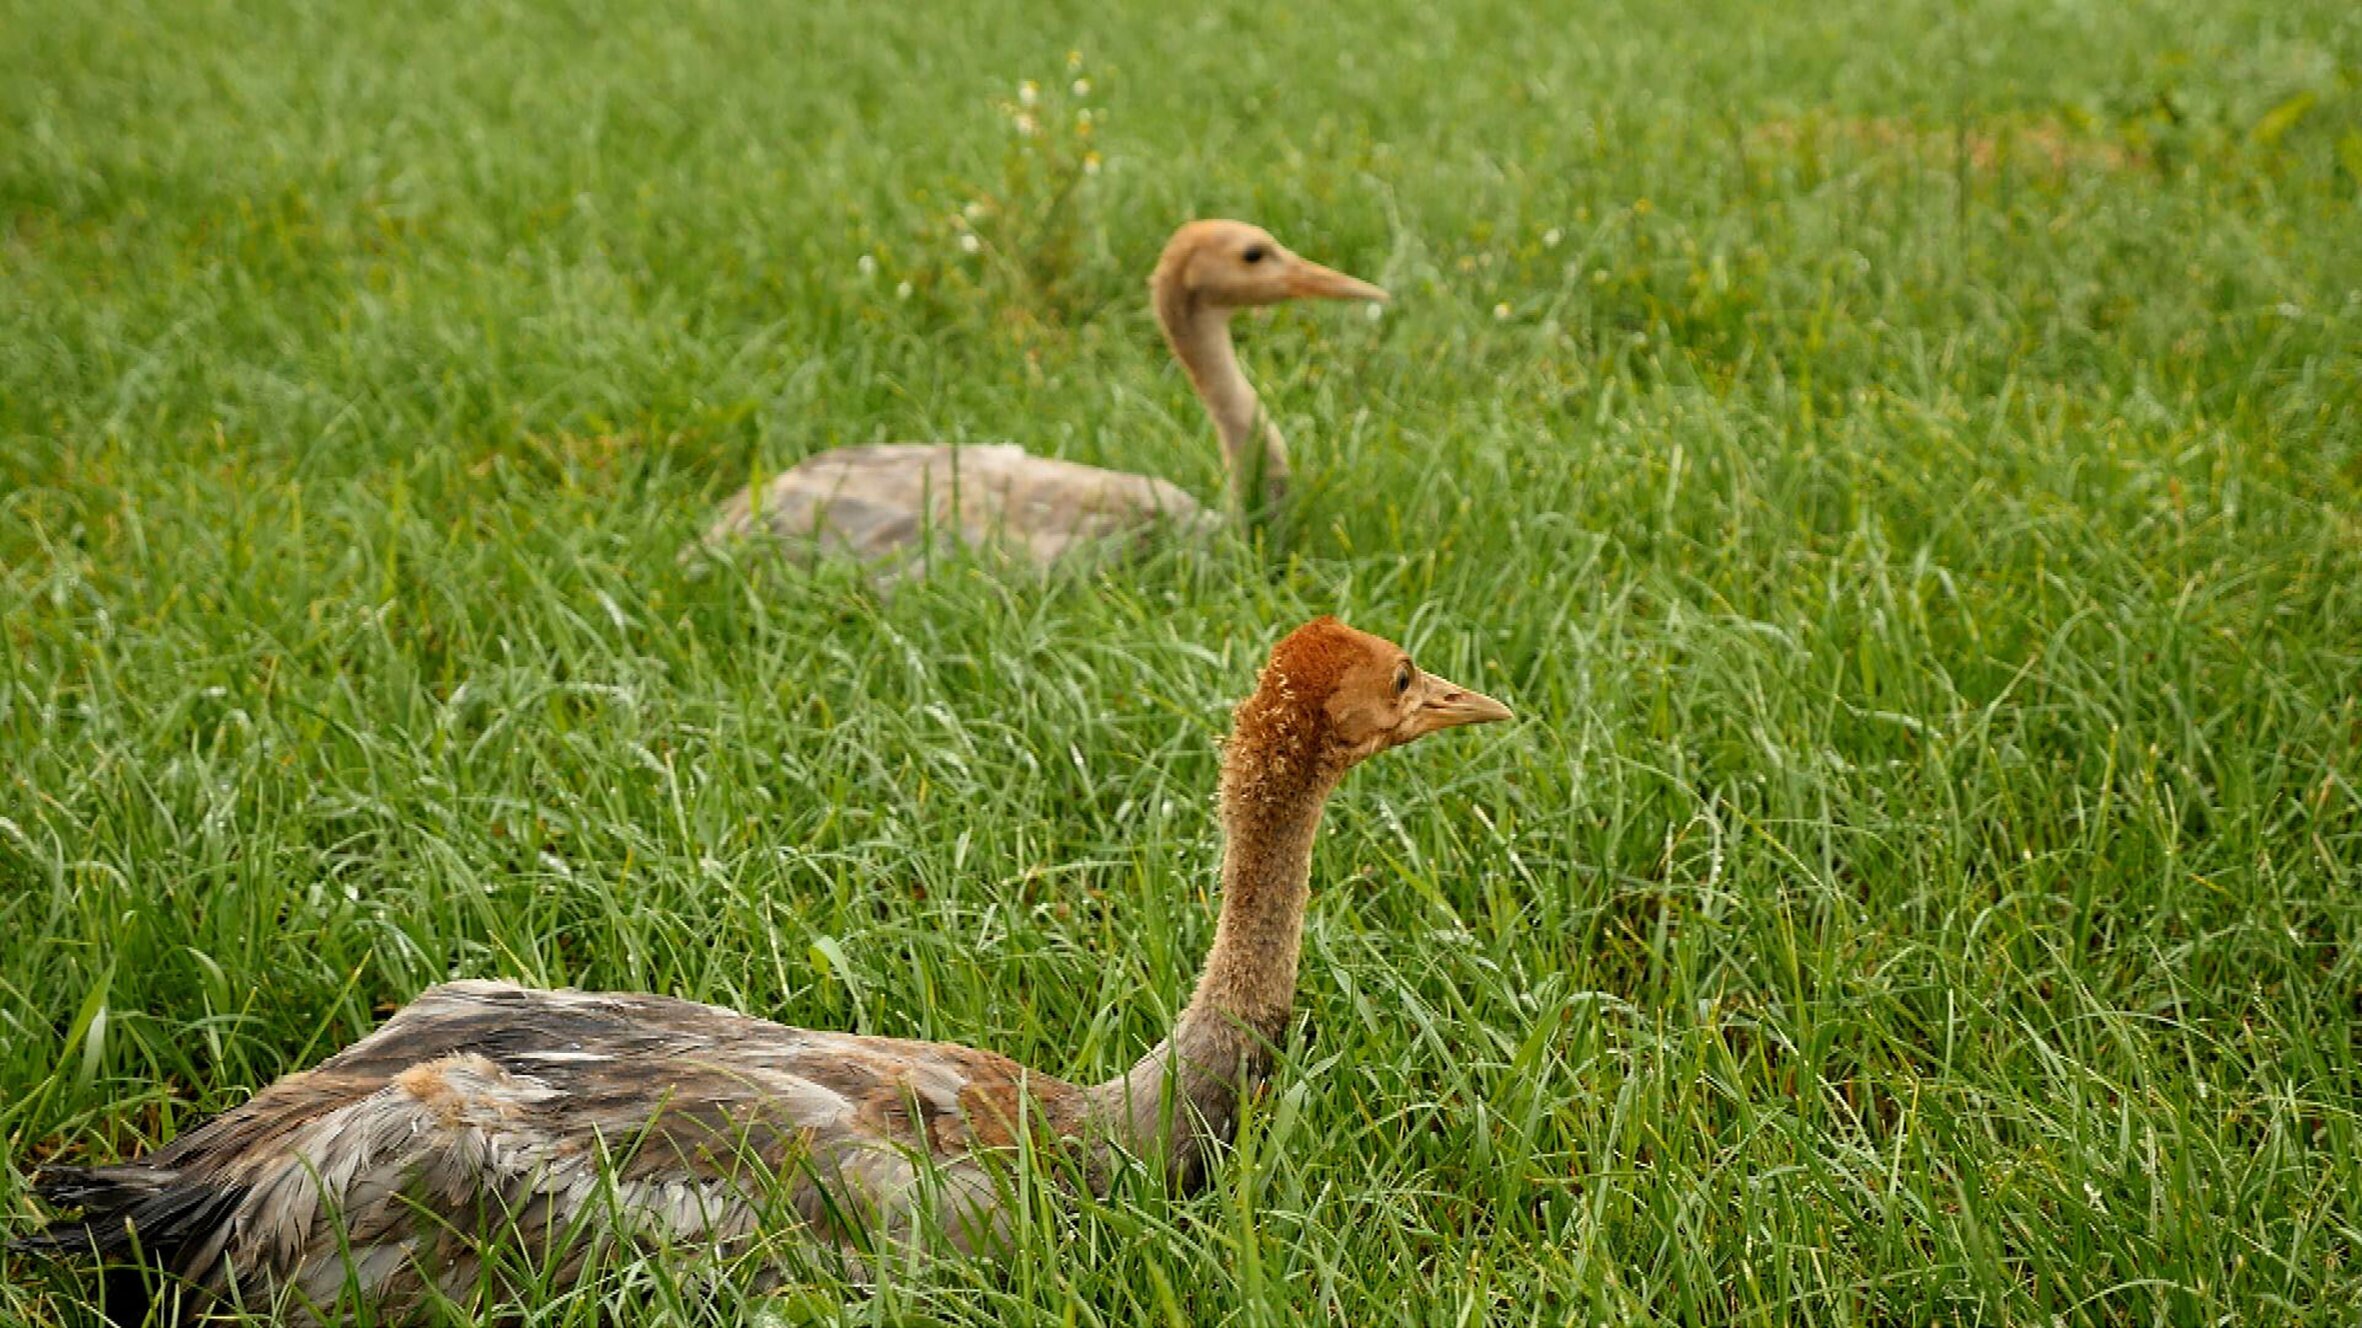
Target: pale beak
(1307, 280)
(1448, 705)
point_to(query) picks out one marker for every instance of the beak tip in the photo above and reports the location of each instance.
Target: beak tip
(1314, 282)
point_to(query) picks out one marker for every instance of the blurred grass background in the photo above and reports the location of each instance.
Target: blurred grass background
(1902, 461)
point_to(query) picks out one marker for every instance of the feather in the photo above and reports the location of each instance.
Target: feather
(489, 1114)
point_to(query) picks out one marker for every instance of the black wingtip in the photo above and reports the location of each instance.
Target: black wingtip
(137, 1223)
(113, 1201)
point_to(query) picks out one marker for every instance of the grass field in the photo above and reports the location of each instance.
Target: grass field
(1902, 461)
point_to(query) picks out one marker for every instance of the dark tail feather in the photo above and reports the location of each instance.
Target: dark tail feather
(137, 1222)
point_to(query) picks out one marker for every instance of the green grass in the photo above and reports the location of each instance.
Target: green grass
(1902, 461)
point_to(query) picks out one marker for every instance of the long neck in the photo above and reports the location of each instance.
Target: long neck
(1185, 1093)
(1254, 456)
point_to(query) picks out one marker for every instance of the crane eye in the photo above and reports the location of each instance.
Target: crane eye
(1402, 678)
(1254, 253)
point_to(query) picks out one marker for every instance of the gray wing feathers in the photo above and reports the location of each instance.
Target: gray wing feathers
(451, 1153)
(559, 1122)
(882, 504)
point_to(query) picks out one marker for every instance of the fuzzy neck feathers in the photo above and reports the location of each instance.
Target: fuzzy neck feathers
(1278, 769)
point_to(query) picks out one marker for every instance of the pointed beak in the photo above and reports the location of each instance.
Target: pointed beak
(1448, 705)
(1307, 280)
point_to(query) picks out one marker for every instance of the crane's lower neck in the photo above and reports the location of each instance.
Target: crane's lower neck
(1249, 983)
(1254, 455)
(1184, 1094)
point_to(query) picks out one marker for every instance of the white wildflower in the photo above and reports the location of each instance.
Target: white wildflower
(1028, 93)
(902, 291)
(867, 266)
(969, 244)
(1090, 163)
(1082, 87)
(1501, 312)
(1026, 124)
(973, 210)
(1551, 237)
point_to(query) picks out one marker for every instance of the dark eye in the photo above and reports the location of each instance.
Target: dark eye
(1254, 253)
(1402, 678)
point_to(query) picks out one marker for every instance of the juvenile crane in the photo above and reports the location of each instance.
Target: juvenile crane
(880, 504)
(558, 1123)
